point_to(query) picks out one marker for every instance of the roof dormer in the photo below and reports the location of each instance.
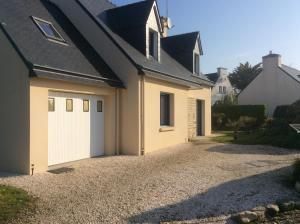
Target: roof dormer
(186, 49)
(140, 25)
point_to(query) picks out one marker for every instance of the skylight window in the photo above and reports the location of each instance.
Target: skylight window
(48, 29)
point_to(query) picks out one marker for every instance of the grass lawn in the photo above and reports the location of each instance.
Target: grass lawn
(291, 140)
(13, 202)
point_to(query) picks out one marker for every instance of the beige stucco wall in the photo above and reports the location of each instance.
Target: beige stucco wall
(157, 138)
(204, 95)
(271, 88)
(14, 113)
(39, 89)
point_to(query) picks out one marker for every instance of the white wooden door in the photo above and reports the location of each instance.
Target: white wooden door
(74, 133)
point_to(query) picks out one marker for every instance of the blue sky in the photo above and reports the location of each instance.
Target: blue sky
(234, 31)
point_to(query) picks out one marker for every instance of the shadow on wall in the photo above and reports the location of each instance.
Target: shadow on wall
(230, 197)
(248, 149)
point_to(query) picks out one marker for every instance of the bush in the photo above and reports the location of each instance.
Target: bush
(293, 113)
(218, 120)
(296, 170)
(281, 111)
(247, 123)
(234, 112)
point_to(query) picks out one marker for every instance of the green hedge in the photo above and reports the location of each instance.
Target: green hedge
(281, 111)
(234, 112)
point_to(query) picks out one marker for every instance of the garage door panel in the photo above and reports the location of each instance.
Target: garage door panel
(75, 135)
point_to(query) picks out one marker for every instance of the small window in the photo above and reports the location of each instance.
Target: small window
(51, 104)
(220, 89)
(165, 107)
(69, 105)
(48, 29)
(153, 44)
(196, 64)
(99, 106)
(86, 106)
(224, 89)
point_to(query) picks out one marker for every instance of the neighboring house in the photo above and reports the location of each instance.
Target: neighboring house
(276, 85)
(84, 78)
(222, 86)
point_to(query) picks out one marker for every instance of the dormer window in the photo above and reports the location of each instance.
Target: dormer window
(153, 44)
(48, 29)
(196, 64)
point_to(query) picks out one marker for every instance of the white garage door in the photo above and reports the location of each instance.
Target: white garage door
(75, 127)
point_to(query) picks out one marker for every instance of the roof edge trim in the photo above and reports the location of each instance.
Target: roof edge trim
(288, 74)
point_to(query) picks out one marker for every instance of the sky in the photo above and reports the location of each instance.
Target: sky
(237, 31)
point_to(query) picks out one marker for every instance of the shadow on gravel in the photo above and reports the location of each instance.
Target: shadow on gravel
(4, 175)
(252, 149)
(227, 198)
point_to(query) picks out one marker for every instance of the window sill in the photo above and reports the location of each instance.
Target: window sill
(166, 129)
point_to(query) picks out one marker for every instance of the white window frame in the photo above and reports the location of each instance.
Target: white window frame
(36, 19)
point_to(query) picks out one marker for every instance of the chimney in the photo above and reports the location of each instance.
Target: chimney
(222, 72)
(166, 25)
(271, 60)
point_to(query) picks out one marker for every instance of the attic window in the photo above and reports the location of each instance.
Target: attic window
(153, 44)
(299, 76)
(48, 29)
(196, 64)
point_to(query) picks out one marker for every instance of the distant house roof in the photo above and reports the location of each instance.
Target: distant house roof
(181, 43)
(294, 73)
(74, 59)
(167, 66)
(213, 77)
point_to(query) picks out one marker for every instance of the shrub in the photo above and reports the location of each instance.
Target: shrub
(281, 111)
(277, 126)
(218, 120)
(234, 112)
(232, 125)
(296, 170)
(293, 112)
(247, 123)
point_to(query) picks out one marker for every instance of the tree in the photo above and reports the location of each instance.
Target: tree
(229, 99)
(244, 74)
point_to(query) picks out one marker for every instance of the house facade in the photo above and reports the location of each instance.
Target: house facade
(276, 85)
(83, 79)
(222, 86)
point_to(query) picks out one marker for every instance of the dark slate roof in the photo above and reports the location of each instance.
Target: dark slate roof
(131, 15)
(294, 73)
(213, 77)
(77, 58)
(168, 66)
(181, 43)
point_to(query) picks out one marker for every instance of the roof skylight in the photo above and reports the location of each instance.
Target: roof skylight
(48, 29)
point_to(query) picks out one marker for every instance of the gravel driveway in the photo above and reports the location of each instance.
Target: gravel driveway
(192, 181)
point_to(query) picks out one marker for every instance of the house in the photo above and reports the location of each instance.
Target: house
(222, 86)
(276, 85)
(85, 78)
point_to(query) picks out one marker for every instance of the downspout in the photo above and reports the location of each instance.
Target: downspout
(142, 95)
(117, 120)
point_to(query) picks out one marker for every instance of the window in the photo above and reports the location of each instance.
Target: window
(69, 105)
(299, 76)
(51, 104)
(86, 105)
(48, 29)
(220, 89)
(99, 106)
(165, 107)
(224, 89)
(153, 44)
(196, 64)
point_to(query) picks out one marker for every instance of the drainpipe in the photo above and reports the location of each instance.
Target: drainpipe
(142, 95)
(117, 120)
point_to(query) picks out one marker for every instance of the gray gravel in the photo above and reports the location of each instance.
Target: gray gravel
(189, 182)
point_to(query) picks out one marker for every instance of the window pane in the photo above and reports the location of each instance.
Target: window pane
(51, 104)
(224, 89)
(220, 89)
(48, 29)
(86, 105)
(153, 44)
(69, 105)
(196, 64)
(99, 106)
(164, 109)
